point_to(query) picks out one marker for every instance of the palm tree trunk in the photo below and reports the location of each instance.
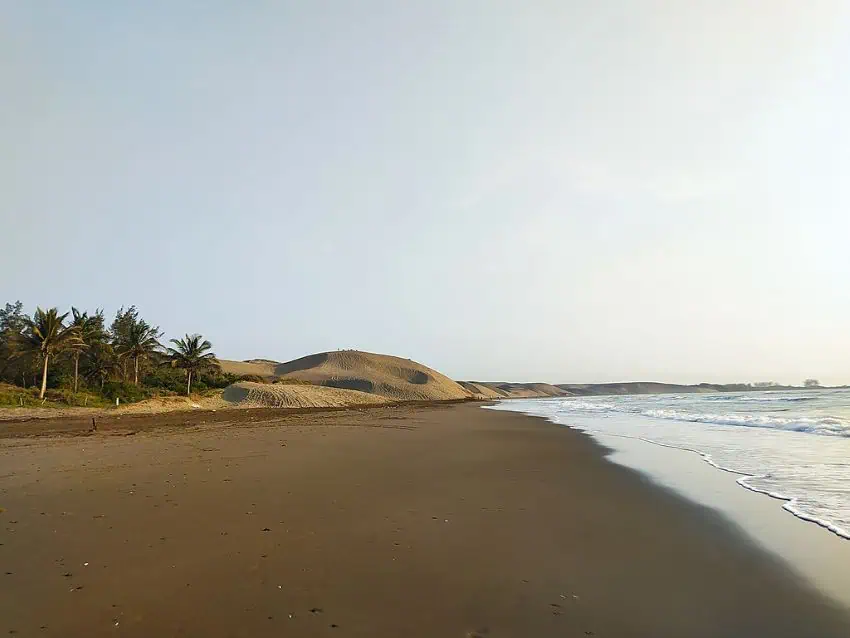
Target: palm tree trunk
(189, 383)
(136, 364)
(44, 378)
(76, 372)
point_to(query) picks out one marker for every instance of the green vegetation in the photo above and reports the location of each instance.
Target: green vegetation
(75, 359)
(192, 355)
(45, 335)
(291, 381)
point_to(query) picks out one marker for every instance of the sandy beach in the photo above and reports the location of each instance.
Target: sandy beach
(398, 521)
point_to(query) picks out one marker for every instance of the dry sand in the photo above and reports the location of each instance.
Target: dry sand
(503, 389)
(384, 375)
(483, 391)
(396, 521)
(263, 395)
(378, 374)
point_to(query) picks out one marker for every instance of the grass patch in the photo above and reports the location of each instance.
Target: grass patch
(290, 381)
(14, 397)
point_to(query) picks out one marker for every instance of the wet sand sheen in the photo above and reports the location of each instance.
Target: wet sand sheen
(450, 521)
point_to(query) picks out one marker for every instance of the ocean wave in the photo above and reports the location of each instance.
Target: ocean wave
(775, 399)
(822, 425)
(594, 406)
(825, 425)
(791, 506)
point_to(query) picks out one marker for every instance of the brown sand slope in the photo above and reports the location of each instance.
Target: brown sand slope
(376, 374)
(384, 375)
(173, 404)
(483, 390)
(639, 387)
(519, 390)
(254, 366)
(264, 395)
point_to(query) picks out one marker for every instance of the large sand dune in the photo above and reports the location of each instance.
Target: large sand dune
(256, 367)
(379, 376)
(264, 395)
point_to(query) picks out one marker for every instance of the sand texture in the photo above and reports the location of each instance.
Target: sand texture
(506, 390)
(377, 374)
(265, 395)
(379, 523)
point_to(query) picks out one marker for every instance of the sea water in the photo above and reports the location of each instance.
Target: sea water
(790, 445)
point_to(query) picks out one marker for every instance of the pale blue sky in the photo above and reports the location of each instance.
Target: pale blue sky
(562, 191)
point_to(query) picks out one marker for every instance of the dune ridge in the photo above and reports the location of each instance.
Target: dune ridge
(507, 390)
(344, 377)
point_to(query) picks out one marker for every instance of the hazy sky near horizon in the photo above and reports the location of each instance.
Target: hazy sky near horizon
(550, 190)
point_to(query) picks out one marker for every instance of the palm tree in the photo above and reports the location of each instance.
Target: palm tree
(90, 332)
(193, 355)
(46, 335)
(139, 341)
(101, 362)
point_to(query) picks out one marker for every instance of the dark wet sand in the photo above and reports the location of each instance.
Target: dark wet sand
(396, 522)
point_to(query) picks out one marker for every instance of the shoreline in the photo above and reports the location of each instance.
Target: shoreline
(815, 549)
(417, 521)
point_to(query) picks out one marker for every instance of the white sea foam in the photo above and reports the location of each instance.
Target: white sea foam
(821, 425)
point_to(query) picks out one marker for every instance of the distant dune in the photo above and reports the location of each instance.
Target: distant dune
(506, 390)
(377, 376)
(258, 367)
(483, 390)
(642, 387)
(501, 389)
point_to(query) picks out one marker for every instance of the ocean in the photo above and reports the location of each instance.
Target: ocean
(790, 445)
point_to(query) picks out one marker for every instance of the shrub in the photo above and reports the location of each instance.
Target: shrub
(13, 396)
(68, 397)
(254, 378)
(165, 378)
(291, 381)
(125, 392)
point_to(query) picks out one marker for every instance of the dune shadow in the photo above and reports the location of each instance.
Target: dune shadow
(304, 363)
(234, 394)
(418, 377)
(363, 385)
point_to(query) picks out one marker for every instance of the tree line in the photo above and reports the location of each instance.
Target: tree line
(78, 350)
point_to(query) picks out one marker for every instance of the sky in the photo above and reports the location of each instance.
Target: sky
(544, 190)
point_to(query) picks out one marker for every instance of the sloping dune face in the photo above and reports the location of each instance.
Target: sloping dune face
(246, 394)
(500, 389)
(256, 367)
(483, 391)
(392, 377)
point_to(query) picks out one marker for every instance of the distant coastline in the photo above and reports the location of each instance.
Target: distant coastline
(510, 390)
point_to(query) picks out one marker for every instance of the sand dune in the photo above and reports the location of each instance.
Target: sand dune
(376, 375)
(265, 395)
(483, 390)
(644, 387)
(261, 368)
(501, 389)
(170, 404)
